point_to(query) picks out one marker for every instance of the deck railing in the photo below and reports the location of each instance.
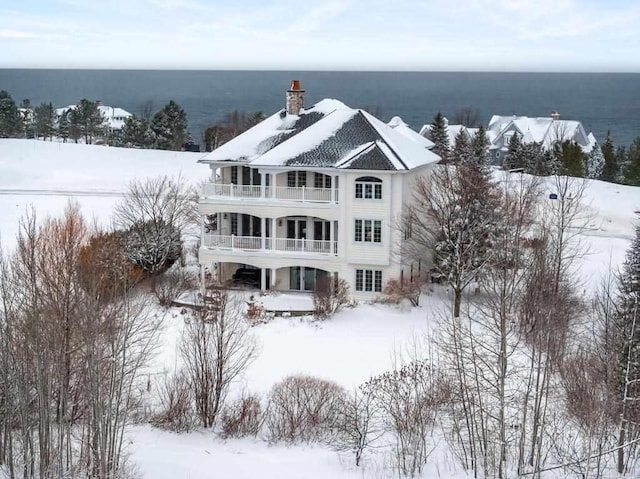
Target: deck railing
(253, 243)
(282, 193)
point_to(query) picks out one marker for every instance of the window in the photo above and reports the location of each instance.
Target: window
(234, 175)
(369, 187)
(321, 180)
(368, 231)
(369, 280)
(296, 179)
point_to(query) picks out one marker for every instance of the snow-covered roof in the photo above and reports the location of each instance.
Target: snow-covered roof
(401, 127)
(544, 130)
(330, 135)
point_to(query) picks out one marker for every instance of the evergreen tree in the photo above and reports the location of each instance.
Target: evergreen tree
(480, 148)
(9, 116)
(623, 339)
(632, 164)
(75, 133)
(439, 136)
(137, 133)
(595, 162)
(573, 162)
(90, 120)
(26, 119)
(43, 119)
(610, 168)
(515, 157)
(170, 127)
(462, 153)
(63, 126)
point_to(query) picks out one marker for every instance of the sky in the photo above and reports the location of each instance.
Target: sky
(414, 35)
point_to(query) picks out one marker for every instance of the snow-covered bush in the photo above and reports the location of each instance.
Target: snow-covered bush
(152, 246)
(303, 408)
(243, 417)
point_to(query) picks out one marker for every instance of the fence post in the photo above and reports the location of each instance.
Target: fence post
(233, 237)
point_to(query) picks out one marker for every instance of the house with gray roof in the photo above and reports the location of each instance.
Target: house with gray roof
(543, 130)
(310, 193)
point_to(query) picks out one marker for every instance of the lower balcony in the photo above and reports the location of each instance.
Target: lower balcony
(279, 245)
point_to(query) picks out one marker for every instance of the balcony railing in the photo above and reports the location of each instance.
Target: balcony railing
(252, 243)
(282, 193)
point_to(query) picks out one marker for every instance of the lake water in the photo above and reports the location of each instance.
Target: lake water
(601, 101)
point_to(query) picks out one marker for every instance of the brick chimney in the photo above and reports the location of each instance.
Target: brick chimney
(295, 98)
(555, 115)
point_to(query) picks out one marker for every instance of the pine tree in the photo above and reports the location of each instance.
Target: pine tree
(9, 116)
(624, 340)
(610, 168)
(480, 148)
(43, 118)
(170, 127)
(63, 126)
(572, 161)
(440, 137)
(515, 158)
(632, 164)
(595, 162)
(137, 133)
(462, 153)
(90, 120)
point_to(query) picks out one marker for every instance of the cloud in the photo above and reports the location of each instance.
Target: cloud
(16, 34)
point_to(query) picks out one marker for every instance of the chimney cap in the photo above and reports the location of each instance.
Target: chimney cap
(295, 85)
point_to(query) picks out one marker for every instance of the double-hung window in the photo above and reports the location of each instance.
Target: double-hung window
(368, 231)
(369, 280)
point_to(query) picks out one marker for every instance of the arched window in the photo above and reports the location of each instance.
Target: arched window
(369, 187)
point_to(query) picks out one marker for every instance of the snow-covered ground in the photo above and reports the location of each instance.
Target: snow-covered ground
(355, 344)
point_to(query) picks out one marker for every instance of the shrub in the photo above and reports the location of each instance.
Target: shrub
(242, 418)
(395, 291)
(103, 268)
(303, 408)
(168, 287)
(176, 406)
(329, 296)
(152, 246)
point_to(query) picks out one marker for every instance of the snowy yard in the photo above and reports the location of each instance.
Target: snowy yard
(349, 348)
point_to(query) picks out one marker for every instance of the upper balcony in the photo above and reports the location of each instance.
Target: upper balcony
(301, 194)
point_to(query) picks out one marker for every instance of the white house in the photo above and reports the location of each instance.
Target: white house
(543, 130)
(311, 192)
(114, 116)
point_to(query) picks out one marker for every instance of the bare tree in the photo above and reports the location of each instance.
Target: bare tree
(410, 398)
(216, 347)
(467, 116)
(358, 425)
(155, 214)
(451, 219)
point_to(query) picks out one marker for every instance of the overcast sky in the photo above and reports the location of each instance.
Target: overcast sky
(425, 35)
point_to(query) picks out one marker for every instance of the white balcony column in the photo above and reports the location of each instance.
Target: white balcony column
(219, 223)
(263, 184)
(263, 230)
(334, 188)
(273, 232)
(332, 247)
(263, 279)
(273, 278)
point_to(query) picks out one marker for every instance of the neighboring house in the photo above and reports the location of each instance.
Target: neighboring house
(310, 193)
(543, 130)
(114, 116)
